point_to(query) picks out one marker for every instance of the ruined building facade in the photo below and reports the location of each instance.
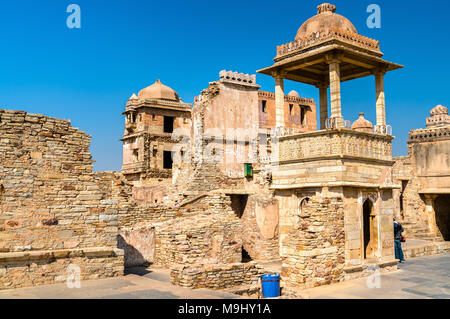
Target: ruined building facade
(423, 202)
(214, 189)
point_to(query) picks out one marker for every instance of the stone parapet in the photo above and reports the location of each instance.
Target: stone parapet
(335, 157)
(238, 78)
(429, 135)
(335, 142)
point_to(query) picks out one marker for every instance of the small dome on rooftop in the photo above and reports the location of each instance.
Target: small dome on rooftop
(158, 91)
(325, 19)
(362, 125)
(439, 110)
(294, 93)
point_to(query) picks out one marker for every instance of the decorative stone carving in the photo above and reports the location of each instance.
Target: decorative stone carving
(238, 78)
(438, 117)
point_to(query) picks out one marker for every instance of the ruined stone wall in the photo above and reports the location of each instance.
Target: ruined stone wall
(200, 228)
(315, 247)
(51, 200)
(138, 244)
(215, 276)
(260, 221)
(209, 239)
(410, 206)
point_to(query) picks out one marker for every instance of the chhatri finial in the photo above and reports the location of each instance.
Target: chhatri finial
(326, 7)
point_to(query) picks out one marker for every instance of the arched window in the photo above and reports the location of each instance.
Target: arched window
(303, 204)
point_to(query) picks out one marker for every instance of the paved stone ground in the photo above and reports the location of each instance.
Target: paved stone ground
(139, 283)
(417, 278)
(426, 277)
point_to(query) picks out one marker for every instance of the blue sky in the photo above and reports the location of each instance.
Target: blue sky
(88, 74)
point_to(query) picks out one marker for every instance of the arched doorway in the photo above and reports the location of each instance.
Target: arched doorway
(442, 210)
(369, 230)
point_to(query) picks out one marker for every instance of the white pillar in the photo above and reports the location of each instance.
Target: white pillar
(335, 92)
(380, 104)
(279, 101)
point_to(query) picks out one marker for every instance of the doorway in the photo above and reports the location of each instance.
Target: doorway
(369, 230)
(238, 204)
(442, 210)
(167, 160)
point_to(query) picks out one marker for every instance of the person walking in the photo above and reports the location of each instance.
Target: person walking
(398, 231)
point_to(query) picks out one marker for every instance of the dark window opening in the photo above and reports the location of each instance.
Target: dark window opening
(302, 115)
(245, 256)
(442, 210)
(153, 117)
(368, 230)
(167, 160)
(168, 124)
(135, 155)
(291, 106)
(264, 106)
(402, 204)
(238, 204)
(304, 204)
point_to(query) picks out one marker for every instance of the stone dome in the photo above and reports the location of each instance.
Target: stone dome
(362, 125)
(439, 110)
(158, 91)
(326, 18)
(294, 93)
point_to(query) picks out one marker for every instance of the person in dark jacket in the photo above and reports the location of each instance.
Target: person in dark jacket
(398, 230)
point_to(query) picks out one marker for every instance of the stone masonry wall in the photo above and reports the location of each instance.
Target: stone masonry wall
(51, 200)
(209, 238)
(412, 212)
(260, 221)
(315, 247)
(215, 276)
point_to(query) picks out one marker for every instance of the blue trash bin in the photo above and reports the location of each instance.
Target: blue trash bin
(270, 285)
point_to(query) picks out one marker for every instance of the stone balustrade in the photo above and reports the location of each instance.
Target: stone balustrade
(335, 142)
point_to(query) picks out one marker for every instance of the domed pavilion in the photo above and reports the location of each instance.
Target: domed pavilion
(326, 51)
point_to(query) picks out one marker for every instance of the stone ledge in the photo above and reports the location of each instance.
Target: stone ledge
(363, 267)
(93, 252)
(433, 248)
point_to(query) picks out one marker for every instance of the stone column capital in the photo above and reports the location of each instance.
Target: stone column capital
(323, 85)
(333, 58)
(380, 70)
(279, 74)
(430, 196)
